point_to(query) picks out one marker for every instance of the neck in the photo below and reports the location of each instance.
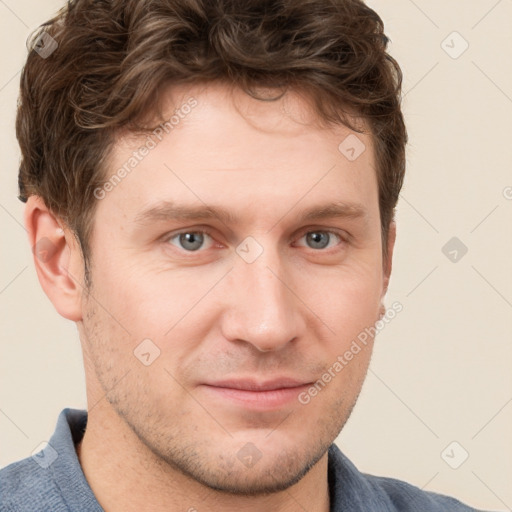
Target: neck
(125, 475)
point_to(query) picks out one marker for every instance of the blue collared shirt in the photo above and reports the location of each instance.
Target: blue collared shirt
(53, 480)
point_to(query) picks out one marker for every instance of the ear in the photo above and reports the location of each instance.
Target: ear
(57, 258)
(388, 262)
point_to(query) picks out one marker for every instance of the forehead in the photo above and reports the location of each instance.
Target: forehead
(218, 145)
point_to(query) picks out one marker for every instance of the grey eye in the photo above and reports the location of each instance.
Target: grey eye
(318, 239)
(191, 241)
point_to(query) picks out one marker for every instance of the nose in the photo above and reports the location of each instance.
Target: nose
(262, 309)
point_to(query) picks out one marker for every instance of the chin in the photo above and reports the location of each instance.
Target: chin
(265, 477)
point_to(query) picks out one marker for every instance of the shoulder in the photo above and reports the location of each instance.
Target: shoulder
(23, 485)
(353, 490)
(51, 479)
(407, 497)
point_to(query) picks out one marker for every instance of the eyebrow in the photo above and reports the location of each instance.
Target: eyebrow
(169, 210)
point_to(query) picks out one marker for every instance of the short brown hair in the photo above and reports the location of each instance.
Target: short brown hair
(114, 56)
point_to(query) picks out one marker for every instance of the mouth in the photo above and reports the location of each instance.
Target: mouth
(259, 395)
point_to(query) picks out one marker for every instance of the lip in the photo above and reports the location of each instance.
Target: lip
(248, 384)
(254, 394)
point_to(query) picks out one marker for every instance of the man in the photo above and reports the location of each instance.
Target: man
(210, 191)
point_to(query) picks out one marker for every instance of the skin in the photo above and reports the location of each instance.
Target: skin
(212, 314)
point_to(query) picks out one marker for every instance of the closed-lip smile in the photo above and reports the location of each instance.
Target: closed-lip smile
(257, 394)
(254, 385)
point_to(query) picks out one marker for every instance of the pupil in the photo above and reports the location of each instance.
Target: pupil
(195, 239)
(316, 238)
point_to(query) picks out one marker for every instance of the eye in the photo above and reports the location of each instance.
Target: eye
(322, 239)
(190, 241)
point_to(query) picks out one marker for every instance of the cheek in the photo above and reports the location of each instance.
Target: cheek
(168, 307)
(347, 299)
(150, 299)
(147, 301)
(167, 300)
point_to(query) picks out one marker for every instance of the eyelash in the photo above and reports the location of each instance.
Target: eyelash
(342, 239)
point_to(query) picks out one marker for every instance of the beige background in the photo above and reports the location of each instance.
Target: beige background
(442, 368)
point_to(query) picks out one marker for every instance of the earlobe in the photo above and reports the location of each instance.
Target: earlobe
(57, 258)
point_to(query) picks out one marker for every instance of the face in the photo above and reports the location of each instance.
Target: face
(233, 265)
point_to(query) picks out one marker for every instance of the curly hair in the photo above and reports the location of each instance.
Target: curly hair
(112, 58)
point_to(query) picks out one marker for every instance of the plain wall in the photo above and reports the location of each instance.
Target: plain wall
(441, 370)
